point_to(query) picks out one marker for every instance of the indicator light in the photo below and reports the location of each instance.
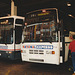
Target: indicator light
(21, 51)
(53, 52)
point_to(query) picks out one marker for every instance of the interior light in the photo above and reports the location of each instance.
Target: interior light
(43, 10)
(25, 24)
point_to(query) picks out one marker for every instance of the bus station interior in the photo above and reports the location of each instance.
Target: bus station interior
(20, 8)
(24, 6)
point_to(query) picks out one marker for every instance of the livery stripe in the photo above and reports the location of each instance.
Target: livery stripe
(39, 46)
(10, 49)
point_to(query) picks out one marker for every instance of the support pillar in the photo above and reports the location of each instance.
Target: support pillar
(13, 9)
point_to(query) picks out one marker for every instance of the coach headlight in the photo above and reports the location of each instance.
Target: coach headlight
(10, 52)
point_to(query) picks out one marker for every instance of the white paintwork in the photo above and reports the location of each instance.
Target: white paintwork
(48, 57)
(66, 51)
(13, 46)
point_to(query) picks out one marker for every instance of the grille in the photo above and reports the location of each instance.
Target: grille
(41, 60)
(36, 52)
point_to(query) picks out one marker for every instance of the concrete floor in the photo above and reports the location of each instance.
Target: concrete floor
(8, 67)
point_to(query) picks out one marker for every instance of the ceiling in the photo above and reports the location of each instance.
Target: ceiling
(24, 6)
(29, 5)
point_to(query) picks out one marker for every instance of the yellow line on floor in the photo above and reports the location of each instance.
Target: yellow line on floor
(7, 73)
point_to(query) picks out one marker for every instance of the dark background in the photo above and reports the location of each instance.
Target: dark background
(24, 6)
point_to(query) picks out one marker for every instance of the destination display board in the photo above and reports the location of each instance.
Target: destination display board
(38, 17)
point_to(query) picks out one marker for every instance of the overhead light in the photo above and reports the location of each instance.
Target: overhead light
(68, 4)
(71, 15)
